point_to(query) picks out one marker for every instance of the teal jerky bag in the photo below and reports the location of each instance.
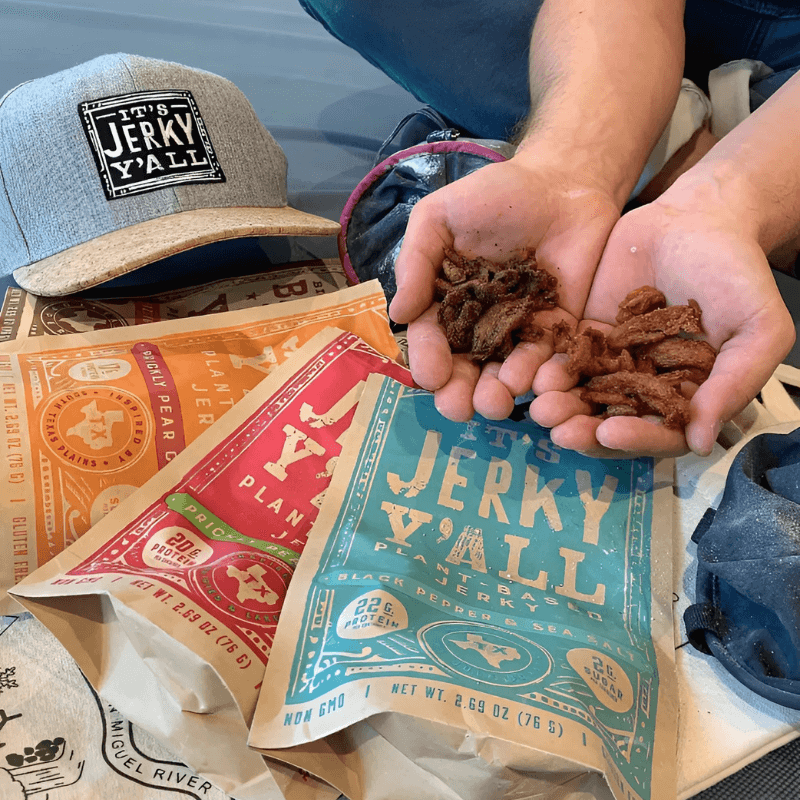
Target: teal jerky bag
(478, 614)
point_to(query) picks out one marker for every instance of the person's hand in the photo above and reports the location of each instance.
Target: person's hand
(499, 211)
(687, 249)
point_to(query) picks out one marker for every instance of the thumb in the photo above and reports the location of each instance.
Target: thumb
(572, 252)
(419, 260)
(740, 372)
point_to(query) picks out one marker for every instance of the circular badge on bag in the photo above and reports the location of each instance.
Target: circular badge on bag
(97, 429)
(485, 654)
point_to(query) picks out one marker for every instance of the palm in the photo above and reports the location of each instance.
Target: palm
(499, 211)
(685, 256)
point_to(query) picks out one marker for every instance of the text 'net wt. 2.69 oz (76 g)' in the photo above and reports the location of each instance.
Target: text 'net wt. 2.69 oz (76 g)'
(478, 614)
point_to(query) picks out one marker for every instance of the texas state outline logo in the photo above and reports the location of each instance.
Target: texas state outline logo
(485, 654)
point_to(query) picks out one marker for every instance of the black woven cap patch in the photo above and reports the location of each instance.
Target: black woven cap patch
(149, 140)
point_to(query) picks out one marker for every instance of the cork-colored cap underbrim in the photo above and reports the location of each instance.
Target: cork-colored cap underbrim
(127, 249)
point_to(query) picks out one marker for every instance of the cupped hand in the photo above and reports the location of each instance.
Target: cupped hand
(687, 252)
(499, 211)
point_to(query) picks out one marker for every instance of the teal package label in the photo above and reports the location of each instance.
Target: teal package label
(479, 572)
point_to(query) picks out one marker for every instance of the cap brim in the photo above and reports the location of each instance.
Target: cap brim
(128, 249)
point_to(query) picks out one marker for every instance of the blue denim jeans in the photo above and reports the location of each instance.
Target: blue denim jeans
(469, 60)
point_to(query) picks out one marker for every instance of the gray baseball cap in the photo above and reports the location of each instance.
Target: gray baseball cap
(124, 160)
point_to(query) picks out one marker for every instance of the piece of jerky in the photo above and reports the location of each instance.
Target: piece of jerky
(459, 315)
(641, 301)
(674, 353)
(492, 336)
(458, 268)
(590, 355)
(486, 309)
(638, 366)
(530, 331)
(647, 392)
(622, 410)
(562, 336)
(675, 377)
(655, 326)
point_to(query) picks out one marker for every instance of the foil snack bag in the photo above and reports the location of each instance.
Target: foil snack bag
(23, 314)
(170, 604)
(479, 614)
(90, 417)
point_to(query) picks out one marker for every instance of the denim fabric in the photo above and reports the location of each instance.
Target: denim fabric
(375, 217)
(468, 59)
(747, 613)
(762, 89)
(718, 31)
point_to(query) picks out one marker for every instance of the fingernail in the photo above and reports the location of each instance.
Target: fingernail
(706, 442)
